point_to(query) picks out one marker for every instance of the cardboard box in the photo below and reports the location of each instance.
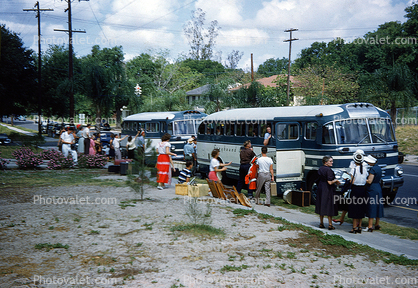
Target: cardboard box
(198, 190)
(273, 188)
(301, 198)
(182, 189)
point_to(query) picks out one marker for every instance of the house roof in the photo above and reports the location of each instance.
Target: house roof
(199, 90)
(267, 82)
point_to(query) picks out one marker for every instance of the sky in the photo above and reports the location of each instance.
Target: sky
(249, 26)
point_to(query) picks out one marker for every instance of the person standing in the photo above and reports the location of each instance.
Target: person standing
(116, 146)
(194, 144)
(374, 191)
(131, 146)
(164, 162)
(357, 206)
(325, 204)
(86, 136)
(189, 152)
(80, 137)
(92, 151)
(140, 142)
(267, 136)
(216, 166)
(265, 174)
(111, 147)
(246, 155)
(68, 138)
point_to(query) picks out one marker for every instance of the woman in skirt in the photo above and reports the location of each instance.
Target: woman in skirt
(374, 191)
(358, 198)
(216, 166)
(164, 162)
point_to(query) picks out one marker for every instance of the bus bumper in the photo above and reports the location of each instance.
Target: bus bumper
(392, 182)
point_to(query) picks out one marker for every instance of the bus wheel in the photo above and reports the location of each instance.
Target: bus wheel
(313, 188)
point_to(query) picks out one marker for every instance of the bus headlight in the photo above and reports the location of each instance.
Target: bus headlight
(398, 170)
(338, 173)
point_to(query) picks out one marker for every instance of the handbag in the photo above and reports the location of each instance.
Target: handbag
(346, 189)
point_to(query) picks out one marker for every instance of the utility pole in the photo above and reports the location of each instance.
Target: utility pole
(252, 68)
(70, 59)
(38, 15)
(288, 66)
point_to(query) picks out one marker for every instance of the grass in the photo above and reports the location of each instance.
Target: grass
(228, 268)
(16, 179)
(407, 139)
(332, 243)
(49, 246)
(198, 229)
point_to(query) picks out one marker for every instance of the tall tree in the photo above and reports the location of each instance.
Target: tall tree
(201, 40)
(233, 59)
(273, 66)
(17, 75)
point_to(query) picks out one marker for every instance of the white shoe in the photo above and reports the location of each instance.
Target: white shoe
(160, 188)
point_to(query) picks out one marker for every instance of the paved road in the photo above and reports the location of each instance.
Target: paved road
(400, 211)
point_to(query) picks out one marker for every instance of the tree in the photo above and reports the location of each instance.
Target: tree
(55, 83)
(273, 66)
(18, 88)
(233, 59)
(201, 40)
(339, 87)
(390, 88)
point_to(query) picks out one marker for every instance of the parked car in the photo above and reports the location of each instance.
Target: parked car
(105, 127)
(105, 138)
(4, 139)
(20, 117)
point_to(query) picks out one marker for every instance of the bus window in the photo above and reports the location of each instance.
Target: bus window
(229, 129)
(202, 128)
(353, 131)
(381, 130)
(252, 130)
(220, 129)
(264, 129)
(135, 126)
(287, 131)
(209, 129)
(152, 127)
(328, 134)
(240, 129)
(130, 126)
(310, 130)
(183, 127)
(170, 128)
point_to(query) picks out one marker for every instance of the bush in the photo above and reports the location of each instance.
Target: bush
(57, 160)
(92, 161)
(3, 162)
(26, 158)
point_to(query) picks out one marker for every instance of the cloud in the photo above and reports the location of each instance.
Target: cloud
(226, 12)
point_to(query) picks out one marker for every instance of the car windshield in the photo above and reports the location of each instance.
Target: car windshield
(381, 130)
(352, 131)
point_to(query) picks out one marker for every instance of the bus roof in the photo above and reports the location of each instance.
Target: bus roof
(148, 116)
(354, 110)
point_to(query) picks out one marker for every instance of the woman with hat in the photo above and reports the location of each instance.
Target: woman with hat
(374, 190)
(357, 206)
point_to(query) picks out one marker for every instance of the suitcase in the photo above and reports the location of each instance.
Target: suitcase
(182, 189)
(198, 190)
(273, 188)
(113, 168)
(124, 168)
(301, 198)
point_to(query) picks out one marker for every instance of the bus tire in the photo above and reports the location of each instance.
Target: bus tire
(312, 187)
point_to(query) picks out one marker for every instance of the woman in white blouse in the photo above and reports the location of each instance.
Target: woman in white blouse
(164, 162)
(216, 166)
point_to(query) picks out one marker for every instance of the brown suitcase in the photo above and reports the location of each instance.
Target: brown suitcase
(301, 198)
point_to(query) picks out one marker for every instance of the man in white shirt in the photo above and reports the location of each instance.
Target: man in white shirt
(86, 136)
(116, 145)
(265, 174)
(267, 136)
(67, 138)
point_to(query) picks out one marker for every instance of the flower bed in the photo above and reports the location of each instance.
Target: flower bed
(57, 160)
(3, 162)
(92, 161)
(26, 158)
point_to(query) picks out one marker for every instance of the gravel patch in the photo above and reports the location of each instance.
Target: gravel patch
(118, 241)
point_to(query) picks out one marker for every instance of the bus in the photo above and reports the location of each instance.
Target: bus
(301, 136)
(181, 125)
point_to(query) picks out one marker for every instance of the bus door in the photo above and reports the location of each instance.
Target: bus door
(290, 157)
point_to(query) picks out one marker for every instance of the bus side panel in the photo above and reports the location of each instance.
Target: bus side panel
(289, 170)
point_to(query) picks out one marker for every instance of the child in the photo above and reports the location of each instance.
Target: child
(186, 173)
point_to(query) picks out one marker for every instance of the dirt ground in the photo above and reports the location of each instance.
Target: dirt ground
(57, 237)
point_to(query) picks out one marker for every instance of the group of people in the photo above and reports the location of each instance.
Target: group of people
(364, 200)
(90, 144)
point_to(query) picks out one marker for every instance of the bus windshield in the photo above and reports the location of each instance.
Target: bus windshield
(184, 127)
(381, 130)
(355, 131)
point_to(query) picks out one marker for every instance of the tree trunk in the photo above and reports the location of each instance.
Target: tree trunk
(98, 119)
(118, 118)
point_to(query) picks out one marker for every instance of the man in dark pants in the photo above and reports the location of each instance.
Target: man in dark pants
(86, 136)
(246, 154)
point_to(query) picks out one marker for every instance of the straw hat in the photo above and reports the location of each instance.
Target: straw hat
(358, 157)
(190, 140)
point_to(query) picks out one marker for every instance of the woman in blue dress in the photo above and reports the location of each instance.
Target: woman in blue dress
(375, 204)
